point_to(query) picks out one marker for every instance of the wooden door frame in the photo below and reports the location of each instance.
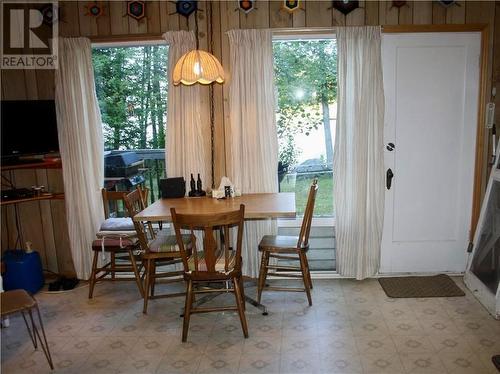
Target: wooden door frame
(479, 167)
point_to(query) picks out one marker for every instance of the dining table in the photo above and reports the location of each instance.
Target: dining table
(257, 206)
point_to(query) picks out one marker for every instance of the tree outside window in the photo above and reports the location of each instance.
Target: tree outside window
(131, 86)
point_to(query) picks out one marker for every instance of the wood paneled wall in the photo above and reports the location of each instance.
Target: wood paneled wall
(41, 222)
(19, 84)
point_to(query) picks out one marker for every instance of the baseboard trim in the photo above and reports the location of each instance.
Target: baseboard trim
(336, 275)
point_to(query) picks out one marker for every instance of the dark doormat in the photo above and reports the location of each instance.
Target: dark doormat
(433, 286)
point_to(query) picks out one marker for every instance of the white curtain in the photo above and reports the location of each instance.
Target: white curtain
(81, 146)
(253, 139)
(358, 161)
(188, 130)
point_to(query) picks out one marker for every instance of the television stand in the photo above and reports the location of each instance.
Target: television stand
(21, 161)
(21, 195)
(48, 163)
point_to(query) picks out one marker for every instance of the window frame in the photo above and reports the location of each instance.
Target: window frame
(128, 43)
(305, 35)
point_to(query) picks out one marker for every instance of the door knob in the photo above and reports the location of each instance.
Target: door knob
(390, 147)
(388, 180)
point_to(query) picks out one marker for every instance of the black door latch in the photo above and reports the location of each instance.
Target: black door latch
(388, 180)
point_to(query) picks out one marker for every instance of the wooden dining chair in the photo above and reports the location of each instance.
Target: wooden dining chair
(158, 249)
(121, 244)
(212, 261)
(289, 248)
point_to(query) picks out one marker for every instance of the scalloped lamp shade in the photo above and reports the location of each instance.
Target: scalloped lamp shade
(198, 66)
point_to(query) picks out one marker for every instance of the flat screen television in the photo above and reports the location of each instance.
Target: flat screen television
(28, 127)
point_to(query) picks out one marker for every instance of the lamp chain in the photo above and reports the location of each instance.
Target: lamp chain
(211, 95)
(212, 130)
(196, 30)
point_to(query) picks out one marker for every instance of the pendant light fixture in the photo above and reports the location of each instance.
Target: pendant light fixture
(198, 66)
(201, 67)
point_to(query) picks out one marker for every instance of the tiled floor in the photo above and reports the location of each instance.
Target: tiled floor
(351, 328)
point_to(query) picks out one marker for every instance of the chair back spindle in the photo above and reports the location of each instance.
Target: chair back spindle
(308, 214)
(110, 200)
(134, 203)
(213, 256)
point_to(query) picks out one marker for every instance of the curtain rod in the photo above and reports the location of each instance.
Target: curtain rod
(434, 28)
(305, 30)
(388, 28)
(125, 38)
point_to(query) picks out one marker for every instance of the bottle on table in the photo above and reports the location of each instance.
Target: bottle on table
(198, 184)
(192, 184)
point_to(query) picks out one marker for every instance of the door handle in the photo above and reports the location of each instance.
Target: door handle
(388, 179)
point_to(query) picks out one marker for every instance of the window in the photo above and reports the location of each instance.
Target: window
(306, 89)
(306, 80)
(131, 86)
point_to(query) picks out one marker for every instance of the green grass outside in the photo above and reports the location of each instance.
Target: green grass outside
(301, 184)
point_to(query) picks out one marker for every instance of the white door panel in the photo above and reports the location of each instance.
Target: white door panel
(431, 89)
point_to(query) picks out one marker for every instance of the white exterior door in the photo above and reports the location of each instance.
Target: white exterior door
(431, 85)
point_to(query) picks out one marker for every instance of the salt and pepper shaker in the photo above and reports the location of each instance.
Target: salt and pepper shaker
(38, 190)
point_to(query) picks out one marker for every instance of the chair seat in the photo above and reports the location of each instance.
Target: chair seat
(20, 301)
(168, 243)
(113, 243)
(219, 264)
(118, 234)
(15, 301)
(280, 243)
